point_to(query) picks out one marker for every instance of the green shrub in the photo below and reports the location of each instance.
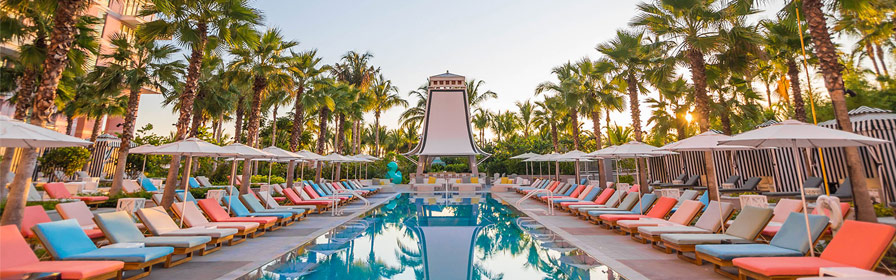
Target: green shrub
(882, 210)
(67, 159)
(264, 179)
(113, 200)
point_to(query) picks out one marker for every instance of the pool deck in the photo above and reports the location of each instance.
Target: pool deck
(232, 262)
(630, 259)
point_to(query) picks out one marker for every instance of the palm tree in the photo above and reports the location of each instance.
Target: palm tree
(63, 34)
(694, 26)
(475, 96)
(305, 68)
(600, 94)
(549, 113)
(385, 96)
(354, 69)
(417, 113)
(830, 68)
(320, 97)
(782, 43)
(481, 120)
(631, 55)
(274, 99)
(570, 91)
(504, 124)
(267, 62)
(526, 110)
(201, 25)
(136, 65)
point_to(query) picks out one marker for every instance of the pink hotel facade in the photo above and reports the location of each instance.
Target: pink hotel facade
(116, 16)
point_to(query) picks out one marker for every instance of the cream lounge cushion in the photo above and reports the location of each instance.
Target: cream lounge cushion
(159, 223)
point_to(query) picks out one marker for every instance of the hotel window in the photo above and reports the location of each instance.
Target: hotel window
(131, 7)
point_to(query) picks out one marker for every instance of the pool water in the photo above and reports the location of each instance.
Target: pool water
(407, 238)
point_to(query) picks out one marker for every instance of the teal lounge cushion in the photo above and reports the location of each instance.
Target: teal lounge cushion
(255, 205)
(193, 183)
(792, 234)
(64, 238)
(731, 251)
(119, 227)
(131, 255)
(176, 241)
(692, 239)
(147, 185)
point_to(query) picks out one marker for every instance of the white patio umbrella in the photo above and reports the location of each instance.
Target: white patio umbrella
(18, 134)
(796, 134)
(334, 158)
(525, 156)
(143, 149)
(280, 155)
(369, 159)
(241, 152)
(707, 141)
(635, 150)
(191, 147)
(307, 155)
(575, 155)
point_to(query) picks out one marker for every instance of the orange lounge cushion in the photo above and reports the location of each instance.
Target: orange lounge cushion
(279, 198)
(94, 233)
(68, 269)
(779, 266)
(91, 198)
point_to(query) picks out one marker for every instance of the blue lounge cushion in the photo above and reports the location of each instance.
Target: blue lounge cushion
(147, 185)
(256, 206)
(64, 238)
(593, 194)
(119, 227)
(176, 241)
(131, 255)
(240, 210)
(731, 251)
(180, 196)
(792, 234)
(193, 183)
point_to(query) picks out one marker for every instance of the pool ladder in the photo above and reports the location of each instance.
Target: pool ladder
(549, 211)
(337, 212)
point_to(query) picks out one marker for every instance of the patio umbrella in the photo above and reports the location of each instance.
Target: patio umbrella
(337, 159)
(244, 152)
(796, 134)
(279, 156)
(143, 149)
(369, 159)
(635, 150)
(191, 147)
(575, 155)
(18, 134)
(525, 156)
(307, 155)
(707, 141)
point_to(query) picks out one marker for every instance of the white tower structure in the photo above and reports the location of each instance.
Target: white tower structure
(447, 131)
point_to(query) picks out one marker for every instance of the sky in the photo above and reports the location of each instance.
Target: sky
(511, 45)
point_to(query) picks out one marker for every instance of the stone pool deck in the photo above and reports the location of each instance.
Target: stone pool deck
(630, 259)
(232, 262)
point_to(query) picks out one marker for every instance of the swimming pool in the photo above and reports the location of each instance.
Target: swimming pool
(409, 238)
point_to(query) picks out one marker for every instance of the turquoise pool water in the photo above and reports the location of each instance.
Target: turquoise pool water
(407, 238)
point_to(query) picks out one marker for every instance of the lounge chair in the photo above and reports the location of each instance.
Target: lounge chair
(255, 206)
(792, 241)
(295, 199)
(782, 210)
(17, 259)
(119, 227)
(691, 182)
(58, 191)
(147, 185)
(130, 186)
(160, 224)
(80, 212)
(625, 204)
(65, 241)
(733, 180)
(218, 215)
(239, 210)
(709, 222)
(640, 207)
(745, 229)
(751, 185)
(180, 195)
(810, 182)
(772, 230)
(194, 218)
(34, 215)
(682, 177)
(270, 203)
(685, 196)
(586, 195)
(686, 213)
(205, 183)
(659, 210)
(602, 198)
(572, 194)
(857, 244)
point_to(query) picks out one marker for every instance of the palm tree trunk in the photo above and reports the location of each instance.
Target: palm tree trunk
(127, 134)
(298, 121)
(274, 126)
(601, 175)
(882, 57)
(61, 39)
(833, 80)
(869, 50)
(768, 94)
(195, 123)
(634, 104)
(24, 96)
(191, 85)
(93, 134)
(698, 76)
(340, 137)
(258, 85)
(724, 116)
(574, 114)
(324, 114)
(376, 133)
(238, 121)
(799, 107)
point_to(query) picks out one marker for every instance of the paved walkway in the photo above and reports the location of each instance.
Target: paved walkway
(232, 262)
(630, 259)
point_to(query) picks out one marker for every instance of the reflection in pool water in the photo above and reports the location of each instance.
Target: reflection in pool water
(407, 239)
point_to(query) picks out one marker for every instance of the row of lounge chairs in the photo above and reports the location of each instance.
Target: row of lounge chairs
(843, 191)
(760, 243)
(157, 237)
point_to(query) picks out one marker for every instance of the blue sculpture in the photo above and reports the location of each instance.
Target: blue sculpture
(393, 174)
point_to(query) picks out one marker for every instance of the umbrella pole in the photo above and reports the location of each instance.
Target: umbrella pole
(302, 172)
(144, 165)
(186, 187)
(270, 165)
(796, 153)
(712, 157)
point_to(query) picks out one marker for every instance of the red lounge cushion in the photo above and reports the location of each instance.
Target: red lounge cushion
(776, 266)
(91, 198)
(261, 220)
(94, 233)
(620, 217)
(279, 198)
(67, 269)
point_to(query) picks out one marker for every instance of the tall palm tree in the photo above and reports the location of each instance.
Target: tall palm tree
(305, 69)
(267, 61)
(201, 25)
(320, 97)
(600, 95)
(782, 44)
(354, 69)
(549, 113)
(526, 110)
(476, 96)
(385, 96)
(631, 55)
(831, 69)
(416, 113)
(694, 26)
(481, 119)
(505, 125)
(570, 91)
(66, 14)
(135, 65)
